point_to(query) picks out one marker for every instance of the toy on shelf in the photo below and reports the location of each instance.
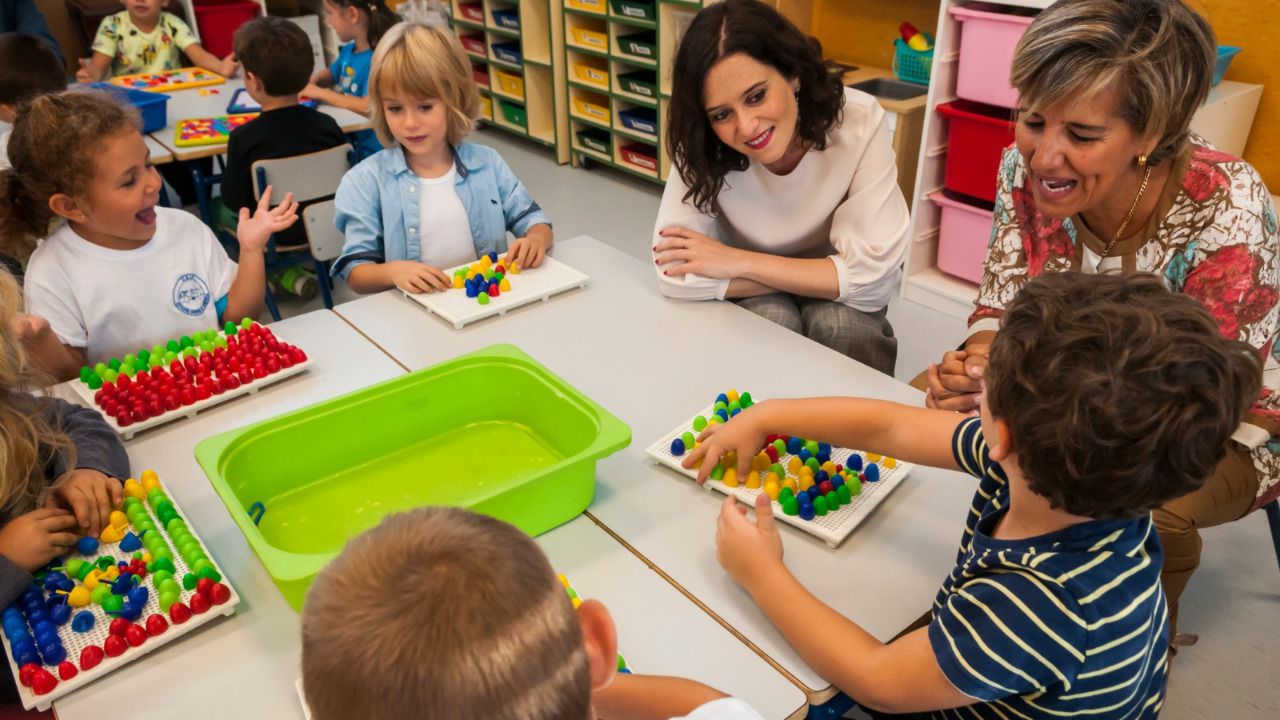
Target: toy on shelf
(914, 39)
(104, 605)
(487, 287)
(823, 490)
(169, 80)
(186, 375)
(193, 132)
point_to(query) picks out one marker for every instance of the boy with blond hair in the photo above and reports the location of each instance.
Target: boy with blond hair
(444, 613)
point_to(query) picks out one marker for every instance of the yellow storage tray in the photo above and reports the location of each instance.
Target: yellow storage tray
(591, 111)
(595, 6)
(588, 38)
(509, 83)
(591, 75)
(486, 107)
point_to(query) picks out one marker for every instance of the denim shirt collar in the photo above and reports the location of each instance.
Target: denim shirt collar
(466, 160)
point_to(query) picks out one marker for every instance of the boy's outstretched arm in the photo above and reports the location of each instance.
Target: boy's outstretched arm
(903, 676)
(917, 435)
(650, 697)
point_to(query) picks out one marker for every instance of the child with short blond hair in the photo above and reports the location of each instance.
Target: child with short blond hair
(461, 616)
(432, 200)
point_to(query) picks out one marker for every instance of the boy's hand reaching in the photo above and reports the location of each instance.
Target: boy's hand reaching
(740, 435)
(30, 541)
(254, 231)
(749, 551)
(89, 494)
(229, 66)
(83, 75)
(529, 251)
(416, 277)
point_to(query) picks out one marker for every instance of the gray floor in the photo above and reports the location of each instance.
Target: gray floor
(1234, 601)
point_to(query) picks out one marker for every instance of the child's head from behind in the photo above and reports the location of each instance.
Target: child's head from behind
(421, 91)
(28, 68)
(145, 11)
(1118, 394)
(351, 19)
(443, 613)
(277, 53)
(78, 155)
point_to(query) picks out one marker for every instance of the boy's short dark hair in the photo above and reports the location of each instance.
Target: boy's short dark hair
(1119, 394)
(28, 68)
(277, 52)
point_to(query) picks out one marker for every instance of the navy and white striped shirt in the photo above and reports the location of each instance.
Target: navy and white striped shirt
(1072, 623)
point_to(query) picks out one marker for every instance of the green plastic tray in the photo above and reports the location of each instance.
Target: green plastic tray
(493, 431)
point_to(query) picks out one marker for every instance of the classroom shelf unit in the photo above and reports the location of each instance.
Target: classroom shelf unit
(618, 56)
(515, 48)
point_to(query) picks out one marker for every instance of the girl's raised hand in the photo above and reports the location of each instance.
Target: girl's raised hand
(89, 494)
(416, 277)
(30, 541)
(687, 251)
(254, 231)
(741, 436)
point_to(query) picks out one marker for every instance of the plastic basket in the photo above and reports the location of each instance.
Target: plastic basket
(596, 139)
(218, 21)
(509, 83)
(1225, 54)
(640, 119)
(635, 9)
(507, 19)
(912, 65)
(964, 233)
(153, 107)
(988, 39)
(512, 113)
(473, 12)
(976, 137)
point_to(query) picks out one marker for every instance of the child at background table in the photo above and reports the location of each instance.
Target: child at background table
(1105, 396)
(490, 633)
(144, 39)
(29, 67)
(431, 200)
(359, 24)
(120, 273)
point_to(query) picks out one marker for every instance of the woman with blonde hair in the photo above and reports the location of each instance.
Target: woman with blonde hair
(1106, 176)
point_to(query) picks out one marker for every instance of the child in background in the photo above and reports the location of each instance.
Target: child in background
(60, 466)
(491, 633)
(429, 201)
(145, 39)
(28, 68)
(359, 24)
(120, 272)
(1105, 396)
(277, 60)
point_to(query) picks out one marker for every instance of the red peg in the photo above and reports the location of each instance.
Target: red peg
(179, 613)
(118, 627)
(28, 672)
(135, 635)
(219, 593)
(44, 682)
(115, 646)
(200, 604)
(156, 624)
(67, 670)
(90, 656)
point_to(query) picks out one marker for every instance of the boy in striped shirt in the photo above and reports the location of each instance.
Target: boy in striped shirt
(1105, 396)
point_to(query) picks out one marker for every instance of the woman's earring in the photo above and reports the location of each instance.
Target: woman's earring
(1142, 160)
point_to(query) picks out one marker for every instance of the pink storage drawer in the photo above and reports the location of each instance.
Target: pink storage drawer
(987, 41)
(963, 236)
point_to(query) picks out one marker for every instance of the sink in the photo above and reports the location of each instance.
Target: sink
(890, 89)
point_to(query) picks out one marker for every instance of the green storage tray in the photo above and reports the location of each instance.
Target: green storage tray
(597, 140)
(640, 82)
(641, 44)
(514, 113)
(493, 431)
(635, 9)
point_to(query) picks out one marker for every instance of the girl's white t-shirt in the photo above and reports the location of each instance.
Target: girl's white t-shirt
(446, 231)
(115, 302)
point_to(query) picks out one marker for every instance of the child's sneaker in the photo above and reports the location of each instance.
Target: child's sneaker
(297, 281)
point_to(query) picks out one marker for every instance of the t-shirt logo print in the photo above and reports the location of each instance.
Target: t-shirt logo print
(191, 295)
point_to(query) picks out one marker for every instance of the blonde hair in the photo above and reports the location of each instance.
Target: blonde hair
(29, 442)
(1158, 55)
(51, 150)
(423, 61)
(442, 613)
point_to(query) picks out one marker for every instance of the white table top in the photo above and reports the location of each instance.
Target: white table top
(653, 362)
(246, 665)
(205, 102)
(159, 153)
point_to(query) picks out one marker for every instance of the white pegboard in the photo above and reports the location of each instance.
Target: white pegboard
(75, 642)
(833, 527)
(529, 286)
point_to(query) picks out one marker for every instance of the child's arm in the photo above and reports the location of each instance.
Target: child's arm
(337, 99)
(913, 434)
(408, 275)
(247, 291)
(92, 488)
(524, 217)
(28, 542)
(903, 676)
(323, 78)
(94, 69)
(225, 67)
(529, 251)
(650, 697)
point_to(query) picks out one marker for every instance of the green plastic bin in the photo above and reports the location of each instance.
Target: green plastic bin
(641, 44)
(635, 9)
(597, 140)
(514, 113)
(640, 82)
(493, 431)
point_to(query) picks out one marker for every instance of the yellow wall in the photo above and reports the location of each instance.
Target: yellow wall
(862, 32)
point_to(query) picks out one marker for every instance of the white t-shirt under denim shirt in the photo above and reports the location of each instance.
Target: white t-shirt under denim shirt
(446, 231)
(114, 302)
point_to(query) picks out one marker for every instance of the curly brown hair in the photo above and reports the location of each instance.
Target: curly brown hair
(51, 150)
(759, 31)
(1119, 394)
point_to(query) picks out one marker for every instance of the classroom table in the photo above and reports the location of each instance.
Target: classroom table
(246, 665)
(159, 153)
(655, 362)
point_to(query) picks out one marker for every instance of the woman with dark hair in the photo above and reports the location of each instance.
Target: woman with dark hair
(785, 197)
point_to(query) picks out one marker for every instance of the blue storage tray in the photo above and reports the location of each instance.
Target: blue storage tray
(509, 19)
(153, 107)
(1225, 54)
(641, 119)
(507, 52)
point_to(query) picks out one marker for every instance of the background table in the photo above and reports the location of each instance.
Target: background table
(654, 362)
